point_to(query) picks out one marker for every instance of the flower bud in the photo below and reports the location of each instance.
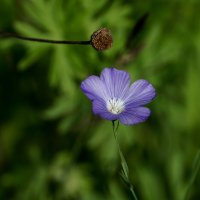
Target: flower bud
(101, 39)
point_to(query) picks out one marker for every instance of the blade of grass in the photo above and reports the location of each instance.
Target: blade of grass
(195, 170)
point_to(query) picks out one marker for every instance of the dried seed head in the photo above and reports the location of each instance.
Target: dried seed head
(101, 39)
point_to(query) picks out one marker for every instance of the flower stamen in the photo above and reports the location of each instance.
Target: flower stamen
(115, 106)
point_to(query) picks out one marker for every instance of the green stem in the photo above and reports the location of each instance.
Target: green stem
(125, 169)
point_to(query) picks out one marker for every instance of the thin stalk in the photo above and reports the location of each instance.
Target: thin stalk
(125, 169)
(14, 35)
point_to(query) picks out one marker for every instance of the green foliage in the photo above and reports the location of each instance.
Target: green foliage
(52, 146)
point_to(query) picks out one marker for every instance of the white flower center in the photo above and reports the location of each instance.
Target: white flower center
(115, 106)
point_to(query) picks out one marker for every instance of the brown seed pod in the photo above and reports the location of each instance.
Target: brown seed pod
(102, 39)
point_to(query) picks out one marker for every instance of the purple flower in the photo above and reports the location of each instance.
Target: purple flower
(113, 97)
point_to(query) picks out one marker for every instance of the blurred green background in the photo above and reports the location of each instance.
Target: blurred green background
(51, 145)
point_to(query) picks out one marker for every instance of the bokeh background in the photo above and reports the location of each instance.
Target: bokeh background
(51, 145)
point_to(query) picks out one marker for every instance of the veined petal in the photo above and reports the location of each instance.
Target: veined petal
(134, 115)
(116, 81)
(94, 88)
(140, 93)
(99, 107)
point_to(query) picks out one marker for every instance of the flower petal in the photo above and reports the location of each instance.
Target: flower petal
(140, 93)
(99, 107)
(116, 81)
(94, 88)
(134, 115)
